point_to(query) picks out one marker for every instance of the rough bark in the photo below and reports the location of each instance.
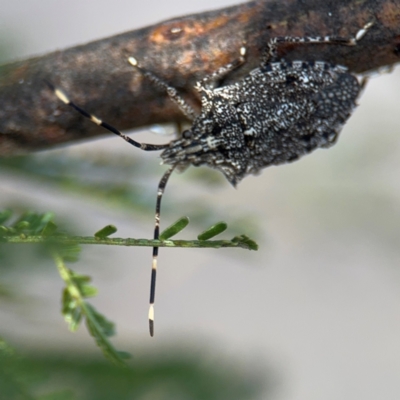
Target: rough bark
(98, 77)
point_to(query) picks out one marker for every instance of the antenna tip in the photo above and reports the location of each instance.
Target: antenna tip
(151, 327)
(151, 320)
(133, 61)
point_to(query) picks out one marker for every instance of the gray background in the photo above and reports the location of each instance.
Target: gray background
(319, 302)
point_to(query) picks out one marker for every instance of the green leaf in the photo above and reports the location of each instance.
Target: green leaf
(31, 223)
(105, 232)
(69, 252)
(74, 319)
(74, 308)
(107, 327)
(214, 230)
(249, 243)
(71, 310)
(66, 301)
(174, 228)
(88, 291)
(42, 221)
(81, 281)
(22, 225)
(78, 278)
(100, 328)
(9, 230)
(49, 229)
(5, 215)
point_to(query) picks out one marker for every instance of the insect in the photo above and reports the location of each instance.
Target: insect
(274, 115)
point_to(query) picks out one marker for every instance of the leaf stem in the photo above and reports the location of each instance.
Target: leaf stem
(88, 311)
(239, 241)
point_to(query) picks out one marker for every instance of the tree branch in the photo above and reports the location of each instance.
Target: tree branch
(98, 77)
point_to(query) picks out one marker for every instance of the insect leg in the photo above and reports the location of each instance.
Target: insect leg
(211, 80)
(173, 94)
(270, 53)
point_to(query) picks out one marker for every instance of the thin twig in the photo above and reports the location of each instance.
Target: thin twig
(239, 241)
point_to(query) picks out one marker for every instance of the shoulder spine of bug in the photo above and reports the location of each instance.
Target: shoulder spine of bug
(231, 141)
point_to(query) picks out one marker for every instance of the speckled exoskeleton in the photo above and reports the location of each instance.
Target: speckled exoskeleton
(274, 115)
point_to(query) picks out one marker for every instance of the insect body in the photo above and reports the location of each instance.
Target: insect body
(276, 114)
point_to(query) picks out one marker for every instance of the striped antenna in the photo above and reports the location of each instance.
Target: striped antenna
(143, 146)
(160, 192)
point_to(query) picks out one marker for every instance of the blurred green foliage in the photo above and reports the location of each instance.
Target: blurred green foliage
(123, 182)
(173, 375)
(65, 248)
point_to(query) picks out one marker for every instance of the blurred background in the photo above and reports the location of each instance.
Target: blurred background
(314, 314)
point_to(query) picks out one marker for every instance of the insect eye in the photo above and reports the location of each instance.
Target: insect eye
(186, 134)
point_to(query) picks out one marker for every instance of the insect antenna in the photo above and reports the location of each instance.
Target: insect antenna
(160, 192)
(143, 146)
(161, 186)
